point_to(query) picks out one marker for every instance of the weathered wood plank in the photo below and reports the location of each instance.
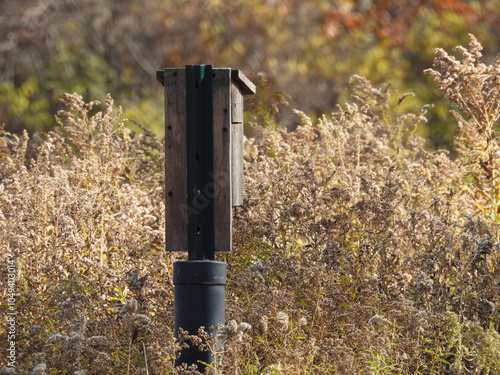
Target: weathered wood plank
(236, 104)
(246, 86)
(222, 158)
(237, 163)
(236, 145)
(175, 161)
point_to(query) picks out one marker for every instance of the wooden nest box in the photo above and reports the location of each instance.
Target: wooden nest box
(203, 156)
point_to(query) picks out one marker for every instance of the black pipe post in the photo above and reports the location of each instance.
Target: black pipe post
(199, 301)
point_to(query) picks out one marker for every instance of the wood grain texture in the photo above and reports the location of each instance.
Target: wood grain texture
(175, 161)
(222, 158)
(237, 163)
(236, 145)
(236, 104)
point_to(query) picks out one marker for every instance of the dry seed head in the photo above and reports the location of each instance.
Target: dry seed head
(39, 369)
(233, 330)
(264, 324)
(302, 321)
(129, 308)
(379, 321)
(8, 371)
(283, 320)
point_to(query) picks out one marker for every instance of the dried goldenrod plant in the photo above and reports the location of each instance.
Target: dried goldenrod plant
(474, 87)
(84, 223)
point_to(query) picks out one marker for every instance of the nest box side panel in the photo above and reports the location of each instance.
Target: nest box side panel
(222, 158)
(236, 145)
(175, 161)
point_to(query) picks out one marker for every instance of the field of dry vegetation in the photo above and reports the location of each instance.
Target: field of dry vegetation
(356, 250)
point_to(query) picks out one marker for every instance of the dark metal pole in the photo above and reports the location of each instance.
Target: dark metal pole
(200, 161)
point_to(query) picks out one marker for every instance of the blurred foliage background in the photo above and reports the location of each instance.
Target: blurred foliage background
(305, 49)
